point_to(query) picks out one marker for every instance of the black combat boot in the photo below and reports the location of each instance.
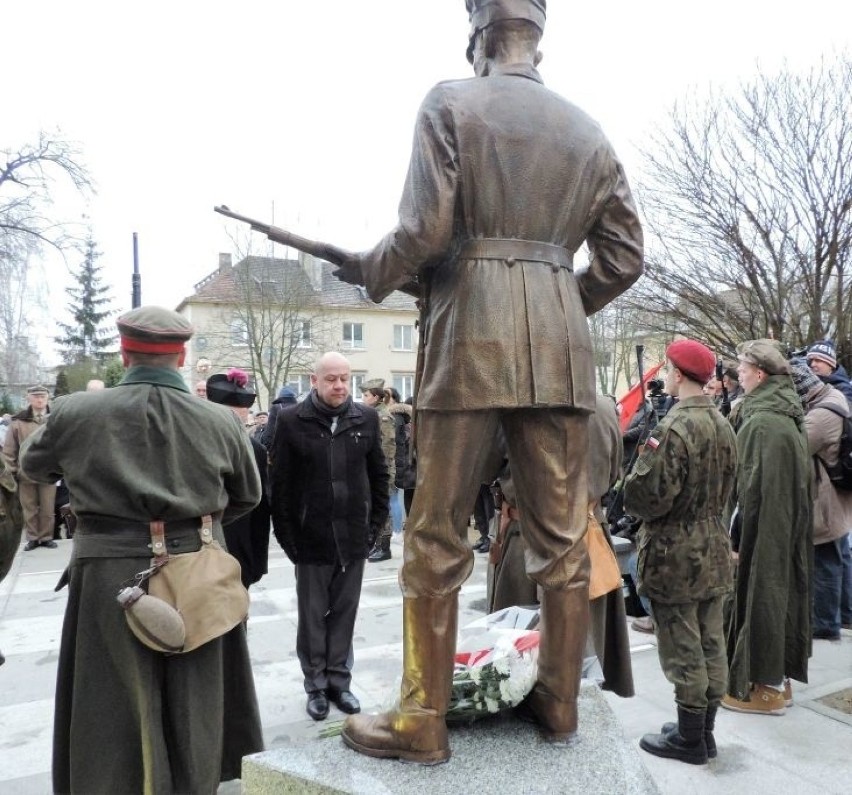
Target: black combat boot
(686, 744)
(709, 725)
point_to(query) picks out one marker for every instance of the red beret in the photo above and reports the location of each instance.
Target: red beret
(694, 360)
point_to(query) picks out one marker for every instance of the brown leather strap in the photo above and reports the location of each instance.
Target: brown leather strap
(158, 534)
(508, 514)
(511, 250)
(158, 538)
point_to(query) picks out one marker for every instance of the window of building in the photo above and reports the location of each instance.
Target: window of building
(302, 333)
(353, 335)
(403, 337)
(404, 384)
(301, 384)
(356, 380)
(239, 332)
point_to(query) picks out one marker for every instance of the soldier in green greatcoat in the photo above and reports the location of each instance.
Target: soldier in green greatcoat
(128, 718)
(679, 487)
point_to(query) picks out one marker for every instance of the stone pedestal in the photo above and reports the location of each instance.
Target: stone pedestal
(493, 755)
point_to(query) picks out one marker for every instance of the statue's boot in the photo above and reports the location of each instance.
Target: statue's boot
(415, 730)
(564, 623)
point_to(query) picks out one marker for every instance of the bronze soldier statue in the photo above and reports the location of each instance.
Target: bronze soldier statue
(506, 181)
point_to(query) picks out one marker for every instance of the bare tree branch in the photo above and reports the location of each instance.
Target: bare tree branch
(748, 201)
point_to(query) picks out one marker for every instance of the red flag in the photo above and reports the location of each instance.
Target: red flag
(630, 402)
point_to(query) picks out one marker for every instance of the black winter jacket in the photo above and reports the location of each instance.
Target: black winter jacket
(404, 467)
(328, 492)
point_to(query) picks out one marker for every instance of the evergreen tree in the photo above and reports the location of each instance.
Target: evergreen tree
(85, 339)
(61, 387)
(112, 372)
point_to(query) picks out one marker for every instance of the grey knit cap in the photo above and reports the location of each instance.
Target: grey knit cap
(804, 379)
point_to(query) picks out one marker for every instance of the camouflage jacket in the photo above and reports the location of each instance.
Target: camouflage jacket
(388, 426)
(679, 487)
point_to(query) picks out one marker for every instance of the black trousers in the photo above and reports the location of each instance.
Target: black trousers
(483, 511)
(327, 599)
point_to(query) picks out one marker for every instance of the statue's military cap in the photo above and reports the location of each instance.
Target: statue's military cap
(765, 354)
(373, 383)
(486, 12)
(153, 329)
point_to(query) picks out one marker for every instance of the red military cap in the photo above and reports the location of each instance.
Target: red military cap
(694, 360)
(152, 329)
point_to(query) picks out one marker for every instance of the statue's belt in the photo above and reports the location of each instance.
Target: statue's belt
(511, 250)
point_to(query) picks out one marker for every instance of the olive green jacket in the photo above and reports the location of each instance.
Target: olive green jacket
(679, 487)
(146, 449)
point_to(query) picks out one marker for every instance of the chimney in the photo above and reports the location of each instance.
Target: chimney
(313, 270)
(224, 262)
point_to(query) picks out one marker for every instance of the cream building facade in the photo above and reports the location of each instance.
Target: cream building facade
(274, 317)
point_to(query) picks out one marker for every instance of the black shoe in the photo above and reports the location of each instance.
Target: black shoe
(49, 544)
(478, 545)
(2, 658)
(709, 725)
(317, 705)
(826, 634)
(31, 545)
(686, 743)
(345, 701)
(485, 546)
(379, 554)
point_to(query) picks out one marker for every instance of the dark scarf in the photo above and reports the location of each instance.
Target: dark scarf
(329, 411)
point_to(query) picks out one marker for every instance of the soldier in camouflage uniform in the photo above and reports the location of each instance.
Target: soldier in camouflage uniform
(679, 487)
(373, 395)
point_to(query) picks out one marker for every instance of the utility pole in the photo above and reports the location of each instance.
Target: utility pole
(136, 298)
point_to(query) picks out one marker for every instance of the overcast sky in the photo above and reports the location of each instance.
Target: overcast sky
(305, 108)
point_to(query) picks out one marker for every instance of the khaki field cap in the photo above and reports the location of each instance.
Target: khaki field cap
(373, 383)
(152, 329)
(765, 354)
(486, 12)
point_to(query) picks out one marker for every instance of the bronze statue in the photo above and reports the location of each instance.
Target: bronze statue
(506, 181)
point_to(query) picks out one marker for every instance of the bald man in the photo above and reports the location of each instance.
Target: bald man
(328, 480)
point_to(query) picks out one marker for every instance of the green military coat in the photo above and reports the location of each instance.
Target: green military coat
(770, 634)
(128, 718)
(679, 487)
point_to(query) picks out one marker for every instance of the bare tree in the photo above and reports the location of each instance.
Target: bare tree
(277, 309)
(26, 191)
(271, 319)
(615, 331)
(748, 204)
(27, 222)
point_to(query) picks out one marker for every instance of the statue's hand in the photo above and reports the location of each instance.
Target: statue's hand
(350, 271)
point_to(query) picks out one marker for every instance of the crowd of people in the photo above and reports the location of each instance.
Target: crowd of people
(744, 544)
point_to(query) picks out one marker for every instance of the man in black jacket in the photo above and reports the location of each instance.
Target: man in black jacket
(329, 492)
(286, 397)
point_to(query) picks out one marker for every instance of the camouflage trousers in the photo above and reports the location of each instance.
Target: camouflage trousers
(691, 645)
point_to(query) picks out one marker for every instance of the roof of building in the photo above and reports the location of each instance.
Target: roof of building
(259, 274)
